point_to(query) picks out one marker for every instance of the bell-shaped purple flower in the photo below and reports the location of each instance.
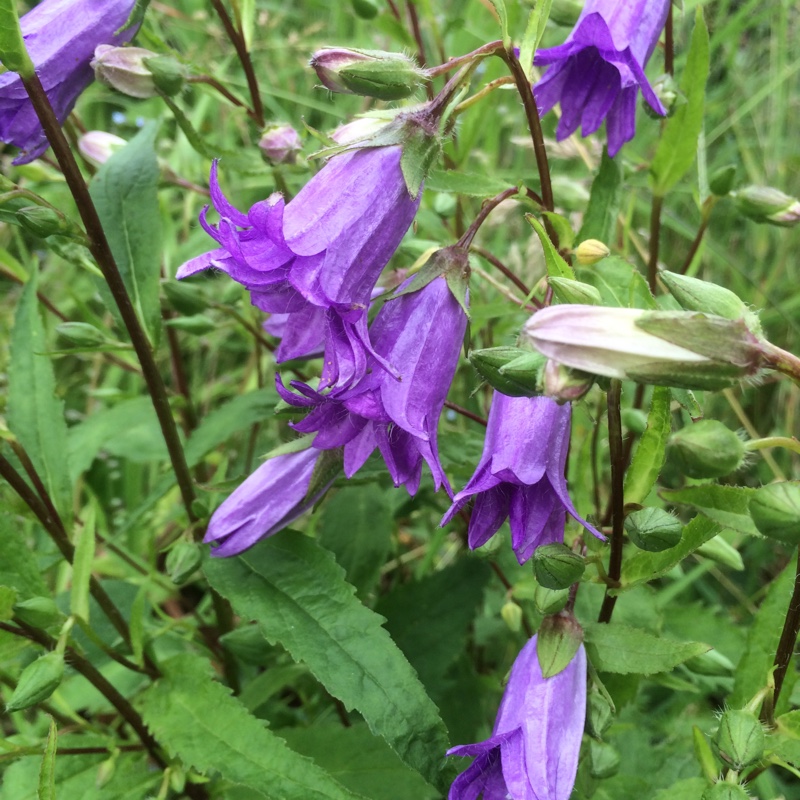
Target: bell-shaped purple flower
(597, 73)
(521, 476)
(61, 36)
(397, 411)
(274, 496)
(534, 748)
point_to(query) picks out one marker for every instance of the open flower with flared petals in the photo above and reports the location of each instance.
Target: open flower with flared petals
(420, 336)
(533, 751)
(274, 496)
(597, 73)
(521, 476)
(61, 37)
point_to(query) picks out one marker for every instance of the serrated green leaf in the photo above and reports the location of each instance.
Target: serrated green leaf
(557, 267)
(125, 191)
(600, 219)
(502, 13)
(534, 30)
(47, 773)
(762, 641)
(360, 761)
(620, 284)
(197, 719)
(625, 650)
(82, 565)
(726, 505)
(13, 54)
(642, 566)
(648, 458)
(356, 526)
(297, 593)
(35, 414)
(8, 596)
(18, 566)
(678, 144)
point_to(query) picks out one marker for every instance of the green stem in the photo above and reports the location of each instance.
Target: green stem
(790, 443)
(617, 497)
(101, 250)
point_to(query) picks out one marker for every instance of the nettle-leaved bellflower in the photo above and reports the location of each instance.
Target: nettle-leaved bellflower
(521, 476)
(270, 499)
(319, 256)
(597, 73)
(61, 37)
(420, 335)
(534, 748)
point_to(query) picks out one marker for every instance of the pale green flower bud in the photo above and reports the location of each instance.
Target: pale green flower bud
(137, 72)
(40, 612)
(183, 560)
(603, 760)
(98, 146)
(696, 295)
(653, 529)
(373, 73)
(37, 682)
(599, 714)
(667, 91)
(556, 566)
(81, 334)
(775, 510)
(739, 740)
(567, 290)
(706, 449)
(513, 371)
(768, 205)
(590, 251)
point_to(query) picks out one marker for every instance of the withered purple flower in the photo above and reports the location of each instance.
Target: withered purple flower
(61, 36)
(521, 476)
(395, 410)
(270, 499)
(533, 751)
(597, 73)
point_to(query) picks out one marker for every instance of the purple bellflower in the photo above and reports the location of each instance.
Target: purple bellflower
(533, 751)
(61, 36)
(319, 256)
(596, 74)
(274, 496)
(420, 336)
(521, 476)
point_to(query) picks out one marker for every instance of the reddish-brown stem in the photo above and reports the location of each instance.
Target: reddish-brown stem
(208, 80)
(501, 267)
(486, 209)
(669, 45)
(465, 412)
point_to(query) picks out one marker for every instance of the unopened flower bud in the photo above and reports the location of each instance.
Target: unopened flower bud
(564, 384)
(183, 560)
(280, 144)
(557, 641)
(567, 290)
(169, 75)
(717, 549)
(37, 682)
(98, 146)
(765, 204)
(739, 740)
(775, 510)
(590, 251)
(372, 73)
(124, 69)
(512, 616)
(39, 612)
(550, 601)
(696, 295)
(556, 566)
(366, 9)
(711, 663)
(81, 334)
(653, 529)
(513, 371)
(599, 714)
(721, 181)
(196, 325)
(566, 12)
(186, 298)
(603, 760)
(725, 791)
(42, 221)
(669, 348)
(667, 91)
(357, 130)
(706, 449)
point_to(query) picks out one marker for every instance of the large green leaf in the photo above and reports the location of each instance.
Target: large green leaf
(726, 505)
(196, 719)
(125, 191)
(356, 526)
(626, 650)
(13, 54)
(18, 566)
(600, 219)
(35, 414)
(762, 640)
(648, 458)
(678, 144)
(620, 284)
(297, 593)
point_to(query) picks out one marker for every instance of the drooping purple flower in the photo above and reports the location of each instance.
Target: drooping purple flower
(420, 336)
(596, 74)
(61, 36)
(270, 499)
(533, 751)
(521, 476)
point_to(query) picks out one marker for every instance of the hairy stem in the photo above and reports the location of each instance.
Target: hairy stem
(101, 250)
(617, 497)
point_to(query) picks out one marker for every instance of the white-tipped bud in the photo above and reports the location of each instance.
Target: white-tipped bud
(98, 146)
